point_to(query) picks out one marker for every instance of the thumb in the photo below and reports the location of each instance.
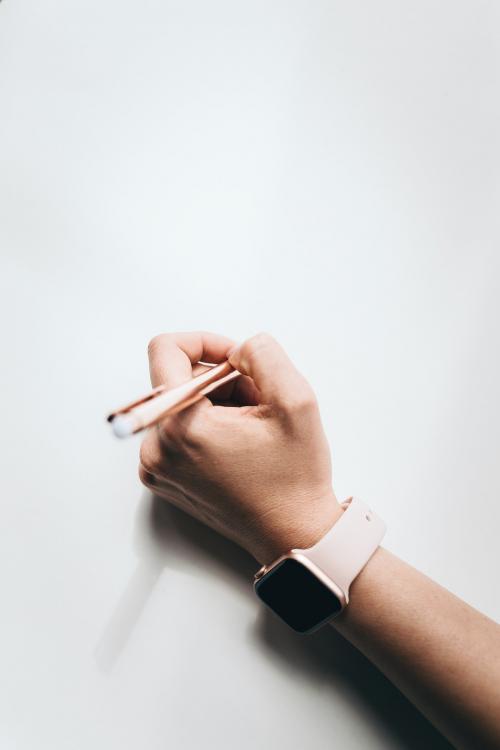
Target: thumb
(274, 374)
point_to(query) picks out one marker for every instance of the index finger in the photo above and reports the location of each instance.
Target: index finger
(172, 355)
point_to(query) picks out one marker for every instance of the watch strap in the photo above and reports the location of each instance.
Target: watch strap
(344, 551)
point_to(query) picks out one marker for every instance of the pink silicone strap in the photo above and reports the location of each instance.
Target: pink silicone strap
(344, 551)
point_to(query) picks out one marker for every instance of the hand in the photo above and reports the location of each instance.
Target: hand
(252, 461)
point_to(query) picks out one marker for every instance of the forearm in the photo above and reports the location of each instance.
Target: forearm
(443, 654)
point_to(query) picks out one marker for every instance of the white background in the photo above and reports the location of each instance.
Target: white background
(325, 171)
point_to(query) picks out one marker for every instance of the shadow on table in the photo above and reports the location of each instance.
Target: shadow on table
(167, 537)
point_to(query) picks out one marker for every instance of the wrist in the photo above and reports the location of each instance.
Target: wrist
(309, 585)
(367, 592)
(300, 529)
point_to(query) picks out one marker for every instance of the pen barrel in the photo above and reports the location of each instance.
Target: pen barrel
(178, 398)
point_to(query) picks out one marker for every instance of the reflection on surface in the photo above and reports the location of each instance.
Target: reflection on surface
(166, 537)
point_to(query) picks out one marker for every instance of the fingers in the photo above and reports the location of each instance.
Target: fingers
(239, 392)
(151, 458)
(271, 376)
(275, 376)
(171, 355)
(171, 360)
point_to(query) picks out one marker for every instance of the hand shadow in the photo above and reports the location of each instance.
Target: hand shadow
(165, 537)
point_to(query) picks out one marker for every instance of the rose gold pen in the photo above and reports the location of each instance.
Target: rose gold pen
(161, 402)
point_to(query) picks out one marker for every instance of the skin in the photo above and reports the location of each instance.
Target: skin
(253, 463)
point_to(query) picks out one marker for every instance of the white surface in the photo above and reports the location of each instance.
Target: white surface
(326, 171)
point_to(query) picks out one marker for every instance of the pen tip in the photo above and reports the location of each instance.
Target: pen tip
(123, 426)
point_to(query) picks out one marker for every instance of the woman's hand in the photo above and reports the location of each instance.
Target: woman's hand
(252, 462)
(258, 470)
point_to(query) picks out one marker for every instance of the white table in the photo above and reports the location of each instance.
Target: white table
(326, 171)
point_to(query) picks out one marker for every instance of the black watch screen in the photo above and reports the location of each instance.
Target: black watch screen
(296, 595)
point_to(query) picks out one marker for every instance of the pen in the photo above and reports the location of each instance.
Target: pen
(162, 402)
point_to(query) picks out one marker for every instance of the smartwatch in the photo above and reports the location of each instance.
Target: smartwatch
(308, 587)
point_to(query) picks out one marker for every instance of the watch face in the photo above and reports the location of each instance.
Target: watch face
(297, 596)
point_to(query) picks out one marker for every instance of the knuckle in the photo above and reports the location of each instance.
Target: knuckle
(258, 342)
(183, 435)
(149, 456)
(170, 433)
(192, 434)
(157, 343)
(145, 476)
(304, 401)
